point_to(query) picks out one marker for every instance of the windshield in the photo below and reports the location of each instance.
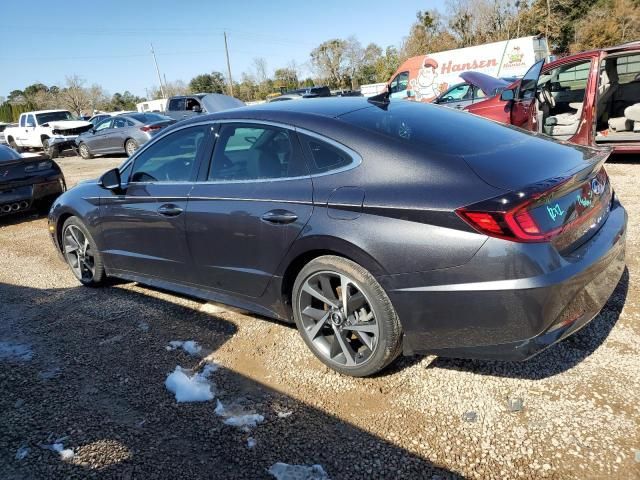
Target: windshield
(53, 117)
(149, 117)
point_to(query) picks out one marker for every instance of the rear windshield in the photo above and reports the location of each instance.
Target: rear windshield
(7, 154)
(53, 117)
(148, 117)
(402, 120)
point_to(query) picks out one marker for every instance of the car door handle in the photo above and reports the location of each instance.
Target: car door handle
(280, 217)
(169, 210)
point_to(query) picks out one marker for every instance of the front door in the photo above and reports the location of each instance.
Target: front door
(143, 226)
(252, 204)
(98, 140)
(525, 96)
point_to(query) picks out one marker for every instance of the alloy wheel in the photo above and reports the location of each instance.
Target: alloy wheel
(84, 151)
(79, 253)
(338, 319)
(130, 147)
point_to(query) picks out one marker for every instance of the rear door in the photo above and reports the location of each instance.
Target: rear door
(143, 226)
(521, 107)
(254, 199)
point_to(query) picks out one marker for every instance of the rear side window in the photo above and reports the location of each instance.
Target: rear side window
(119, 123)
(324, 157)
(177, 104)
(255, 152)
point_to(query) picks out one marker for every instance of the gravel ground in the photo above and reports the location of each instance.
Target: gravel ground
(86, 368)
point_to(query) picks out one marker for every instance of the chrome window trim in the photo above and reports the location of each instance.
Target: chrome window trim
(355, 156)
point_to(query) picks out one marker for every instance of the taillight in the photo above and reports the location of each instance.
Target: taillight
(148, 128)
(541, 212)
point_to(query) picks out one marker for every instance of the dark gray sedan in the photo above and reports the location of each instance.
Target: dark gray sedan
(121, 134)
(366, 222)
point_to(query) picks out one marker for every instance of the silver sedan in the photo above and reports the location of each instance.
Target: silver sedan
(121, 134)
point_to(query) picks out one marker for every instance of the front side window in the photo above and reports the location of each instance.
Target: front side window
(191, 103)
(255, 152)
(400, 82)
(172, 158)
(457, 93)
(103, 125)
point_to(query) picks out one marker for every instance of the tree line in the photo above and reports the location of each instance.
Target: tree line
(344, 63)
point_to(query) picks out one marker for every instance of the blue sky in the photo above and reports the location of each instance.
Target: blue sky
(108, 42)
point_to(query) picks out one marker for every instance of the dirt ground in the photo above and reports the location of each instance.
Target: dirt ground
(85, 368)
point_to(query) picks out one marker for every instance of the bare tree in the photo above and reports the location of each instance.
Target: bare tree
(260, 68)
(74, 96)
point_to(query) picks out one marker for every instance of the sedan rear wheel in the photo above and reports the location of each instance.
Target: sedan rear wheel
(130, 146)
(345, 317)
(81, 254)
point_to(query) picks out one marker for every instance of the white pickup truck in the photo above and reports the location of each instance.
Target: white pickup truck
(50, 130)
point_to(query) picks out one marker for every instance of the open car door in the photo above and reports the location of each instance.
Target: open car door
(525, 97)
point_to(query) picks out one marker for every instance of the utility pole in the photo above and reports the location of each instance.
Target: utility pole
(158, 71)
(226, 50)
(546, 32)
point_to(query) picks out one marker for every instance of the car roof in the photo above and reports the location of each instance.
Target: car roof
(325, 106)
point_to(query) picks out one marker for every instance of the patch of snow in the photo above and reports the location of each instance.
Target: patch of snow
(284, 471)
(251, 442)
(22, 453)
(189, 346)
(212, 308)
(244, 421)
(284, 414)
(15, 351)
(190, 388)
(65, 453)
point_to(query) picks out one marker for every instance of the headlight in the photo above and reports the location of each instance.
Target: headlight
(36, 167)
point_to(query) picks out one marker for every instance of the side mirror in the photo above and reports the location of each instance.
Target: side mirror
(410, 94)
(196, 109)
(507, 95)
(111, 180)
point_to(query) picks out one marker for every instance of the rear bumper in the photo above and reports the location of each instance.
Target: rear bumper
(534, 297)
(23, 197)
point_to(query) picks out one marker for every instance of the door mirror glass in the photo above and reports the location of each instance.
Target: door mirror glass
(506, 95)
(111, 180)
(30, 123)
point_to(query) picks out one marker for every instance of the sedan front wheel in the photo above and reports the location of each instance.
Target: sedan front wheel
(345, 317)
(82, 255)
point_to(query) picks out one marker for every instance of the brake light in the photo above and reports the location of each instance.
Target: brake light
(541, 212)
(148, 128)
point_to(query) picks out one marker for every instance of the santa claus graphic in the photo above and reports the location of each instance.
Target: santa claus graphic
(425, 86)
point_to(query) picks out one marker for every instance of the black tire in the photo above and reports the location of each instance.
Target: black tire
(373, 310)
(84, 151)
(130, 146)
(88, 277)
(51, 150)
(14, 145)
